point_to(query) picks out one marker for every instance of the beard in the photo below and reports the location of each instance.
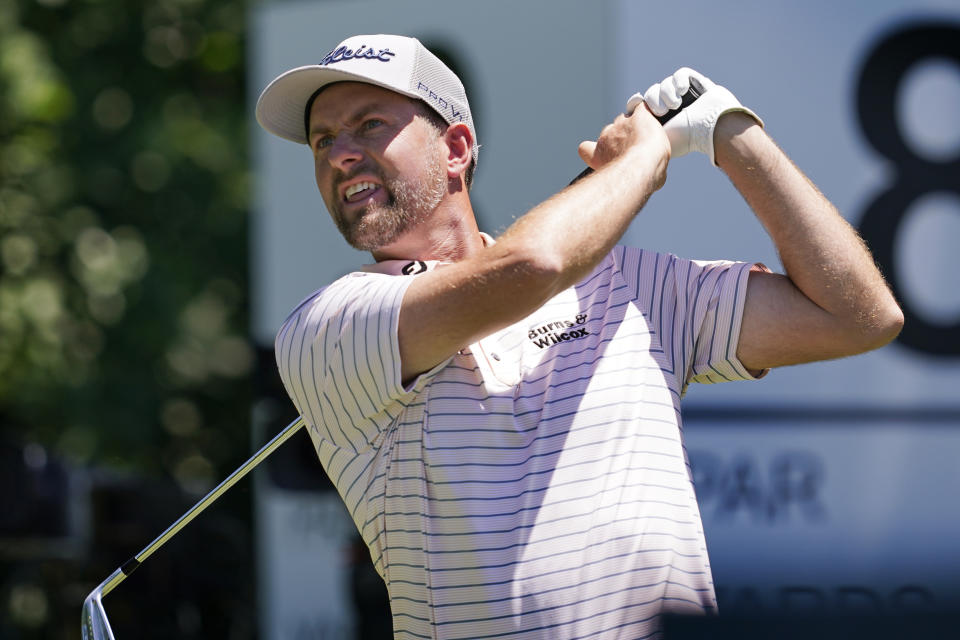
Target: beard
(408, 203)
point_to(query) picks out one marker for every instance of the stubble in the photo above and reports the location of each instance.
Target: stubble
(409, 202)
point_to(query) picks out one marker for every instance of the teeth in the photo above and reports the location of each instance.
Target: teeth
(357, 188)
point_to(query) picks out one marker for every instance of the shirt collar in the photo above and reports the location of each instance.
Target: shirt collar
(413, 267)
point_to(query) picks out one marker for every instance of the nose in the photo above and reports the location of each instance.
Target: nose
(344, 152)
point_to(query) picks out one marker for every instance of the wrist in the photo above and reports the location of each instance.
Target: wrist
(646, 165)
(737, 137)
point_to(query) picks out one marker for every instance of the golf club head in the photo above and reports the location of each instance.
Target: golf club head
(94, 624)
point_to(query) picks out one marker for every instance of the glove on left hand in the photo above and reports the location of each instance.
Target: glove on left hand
(692, 129)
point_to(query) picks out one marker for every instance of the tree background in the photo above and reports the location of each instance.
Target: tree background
(125, 366)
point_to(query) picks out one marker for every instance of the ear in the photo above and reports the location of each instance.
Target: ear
(459, 143)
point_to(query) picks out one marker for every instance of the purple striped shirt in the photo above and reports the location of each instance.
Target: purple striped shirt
(536, 483)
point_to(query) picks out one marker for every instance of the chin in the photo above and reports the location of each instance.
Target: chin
(371, 241)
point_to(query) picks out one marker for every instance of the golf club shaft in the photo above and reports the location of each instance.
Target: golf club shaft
(131, 565)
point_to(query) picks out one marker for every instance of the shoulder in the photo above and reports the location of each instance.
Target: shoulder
(318, 307)
(642, 268)
(341, 292)
(353, 301)
(648, 264)
(654, 275)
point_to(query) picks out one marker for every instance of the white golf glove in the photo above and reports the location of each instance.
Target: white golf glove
(692, 128)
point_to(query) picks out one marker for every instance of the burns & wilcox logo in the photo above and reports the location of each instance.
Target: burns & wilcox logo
(558, 331)
(343, 53)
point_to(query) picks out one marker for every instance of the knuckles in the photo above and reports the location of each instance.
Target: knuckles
(624, 133)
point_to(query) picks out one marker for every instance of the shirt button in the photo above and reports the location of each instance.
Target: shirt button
(495, 357)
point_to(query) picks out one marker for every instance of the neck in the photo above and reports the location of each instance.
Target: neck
(449, 234)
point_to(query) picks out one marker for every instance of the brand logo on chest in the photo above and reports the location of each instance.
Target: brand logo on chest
(558, 331)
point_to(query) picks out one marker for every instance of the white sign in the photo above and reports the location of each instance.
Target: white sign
(830, 503)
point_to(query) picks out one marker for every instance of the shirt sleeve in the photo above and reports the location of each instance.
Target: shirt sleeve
(716, 319)
(338, 356)
(694, 309)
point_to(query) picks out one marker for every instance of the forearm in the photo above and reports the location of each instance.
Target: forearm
(546, 251)
(572, 231)
(822, 254)
(549, 249)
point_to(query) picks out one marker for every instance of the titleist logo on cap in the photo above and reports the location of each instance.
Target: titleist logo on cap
(343, 53)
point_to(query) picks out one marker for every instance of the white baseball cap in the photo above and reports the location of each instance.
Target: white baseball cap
(397, 63)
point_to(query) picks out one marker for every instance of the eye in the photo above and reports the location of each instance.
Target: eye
(372, 123)
(323, 142)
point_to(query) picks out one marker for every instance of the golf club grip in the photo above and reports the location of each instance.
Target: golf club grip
(695, 91)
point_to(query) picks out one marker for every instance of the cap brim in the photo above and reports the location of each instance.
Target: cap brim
(280, 108)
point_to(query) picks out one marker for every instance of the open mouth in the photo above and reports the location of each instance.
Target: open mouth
(360, 191)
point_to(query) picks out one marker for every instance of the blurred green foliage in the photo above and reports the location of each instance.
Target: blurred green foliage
(123, 214)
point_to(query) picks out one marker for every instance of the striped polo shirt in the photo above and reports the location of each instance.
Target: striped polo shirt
(534, 485)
